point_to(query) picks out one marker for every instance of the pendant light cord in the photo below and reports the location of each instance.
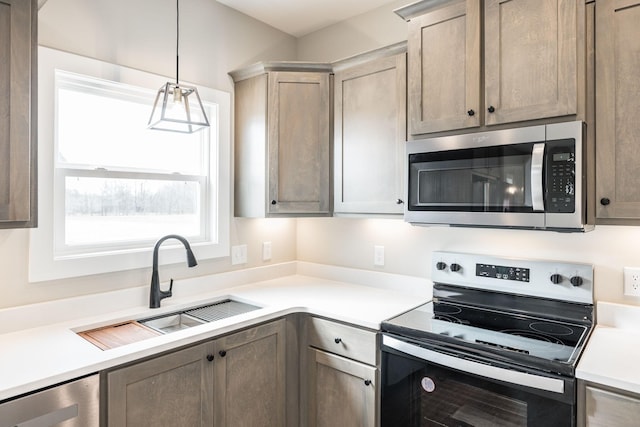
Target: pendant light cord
(177, 39)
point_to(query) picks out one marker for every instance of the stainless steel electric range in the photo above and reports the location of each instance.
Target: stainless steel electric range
(497, 346)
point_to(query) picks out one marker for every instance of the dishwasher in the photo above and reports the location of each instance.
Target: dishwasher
(73, 404)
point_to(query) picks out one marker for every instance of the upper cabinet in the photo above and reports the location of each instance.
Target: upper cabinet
(530, 59)
(282, 140)
(617, 35)
(444, 68)
(530, 62)
(18, 198)
(370, 132)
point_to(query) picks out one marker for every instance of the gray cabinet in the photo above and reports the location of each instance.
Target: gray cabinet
(444, 68)
(249, 372)
(18, 112)
(530, 54)
(370, 133)
(170, 390)
(528, 68)
(617, 36)
(601, 406)
(340, 372)
(237, 380)
(282, 140)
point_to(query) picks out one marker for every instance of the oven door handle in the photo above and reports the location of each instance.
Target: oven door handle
(537, 163)
(492, 372)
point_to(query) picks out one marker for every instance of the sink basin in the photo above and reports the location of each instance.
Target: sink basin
(172, 322)
(197, 316)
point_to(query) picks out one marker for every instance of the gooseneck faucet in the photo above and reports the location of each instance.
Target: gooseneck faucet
(156, 295)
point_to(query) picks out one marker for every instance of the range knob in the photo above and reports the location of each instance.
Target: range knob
(576, 281)
(456, 267)
(441, 266)
(556, 278)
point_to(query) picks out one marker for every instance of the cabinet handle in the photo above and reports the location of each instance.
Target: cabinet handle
(210, 357)
(471, 113)
(337, 340)
(491, 109)
(367, 382)
(605, 201)
(399, 201)
(273, 202)
(222, 353)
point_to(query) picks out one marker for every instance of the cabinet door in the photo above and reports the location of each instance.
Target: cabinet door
(250, 376)
(444, 69)
(298, 164)
(617, 109)
(370, 134)
(171, 390)
(17, 113)
(342, 391)
(606, 409)
(530, 59)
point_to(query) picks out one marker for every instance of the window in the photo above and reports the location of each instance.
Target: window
(116, 186)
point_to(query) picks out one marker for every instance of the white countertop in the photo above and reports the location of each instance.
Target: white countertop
(40, 347)
(613, 351)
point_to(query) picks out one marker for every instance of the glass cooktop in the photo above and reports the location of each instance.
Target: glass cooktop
(512, 335)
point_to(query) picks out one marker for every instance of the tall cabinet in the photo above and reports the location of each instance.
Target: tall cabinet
(370, 132)
(282, 139)
(18, 42)
(617, 36)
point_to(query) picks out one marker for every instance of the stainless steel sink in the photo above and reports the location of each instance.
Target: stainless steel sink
(197, 316)
(172, 322)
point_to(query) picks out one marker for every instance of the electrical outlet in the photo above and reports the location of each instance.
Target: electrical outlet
(632, 281)
(266, 251)
(378, 255)
(238, 254)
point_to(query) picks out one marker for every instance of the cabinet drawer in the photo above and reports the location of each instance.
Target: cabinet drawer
(348, 341)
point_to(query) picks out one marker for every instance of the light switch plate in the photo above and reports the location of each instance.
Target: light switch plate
(378, 255)
(238, 254)
(266, 251)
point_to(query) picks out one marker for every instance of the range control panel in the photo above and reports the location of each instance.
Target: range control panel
(502, 272)
(566, 281)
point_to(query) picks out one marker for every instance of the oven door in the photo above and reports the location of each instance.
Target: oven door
(424, 387)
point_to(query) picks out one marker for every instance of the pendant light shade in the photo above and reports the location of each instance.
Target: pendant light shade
(177, 107)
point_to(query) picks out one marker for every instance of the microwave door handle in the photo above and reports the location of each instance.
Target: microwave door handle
(537, 162)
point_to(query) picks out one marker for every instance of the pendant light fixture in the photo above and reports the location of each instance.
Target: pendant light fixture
(177, 107)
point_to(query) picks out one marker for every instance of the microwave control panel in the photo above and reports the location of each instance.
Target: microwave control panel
(560, 182)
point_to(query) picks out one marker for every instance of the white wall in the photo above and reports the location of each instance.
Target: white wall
(378, 28)
(349, 242)
(141, 34)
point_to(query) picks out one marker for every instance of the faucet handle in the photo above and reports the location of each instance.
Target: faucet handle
(167, 294)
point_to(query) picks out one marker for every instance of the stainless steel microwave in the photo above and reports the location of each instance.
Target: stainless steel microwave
(529, 177)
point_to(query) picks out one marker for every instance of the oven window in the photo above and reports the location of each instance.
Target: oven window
(420, 394)
(494, 179)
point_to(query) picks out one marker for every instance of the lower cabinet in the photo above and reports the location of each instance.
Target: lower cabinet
(341, 375)
(342, 391)
(607, 407)
(237, 380)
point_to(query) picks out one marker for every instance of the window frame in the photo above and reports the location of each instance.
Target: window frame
(48, 262)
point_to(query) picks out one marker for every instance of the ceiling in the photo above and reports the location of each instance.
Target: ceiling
(301, 17)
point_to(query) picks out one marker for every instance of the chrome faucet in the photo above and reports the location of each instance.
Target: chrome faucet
(156, 295)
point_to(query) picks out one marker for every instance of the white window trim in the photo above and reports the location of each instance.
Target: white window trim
(43, 265)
